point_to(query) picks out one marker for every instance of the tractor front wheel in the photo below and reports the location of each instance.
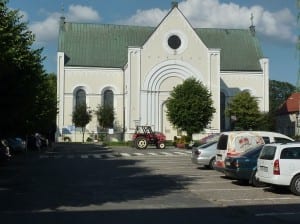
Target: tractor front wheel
(160, 145)
(141, 143)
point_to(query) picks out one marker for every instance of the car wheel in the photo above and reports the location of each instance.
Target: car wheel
(141, 143)
(295, 185)
(212, 163)
(161, 145)
(255, 182)
(67, 139)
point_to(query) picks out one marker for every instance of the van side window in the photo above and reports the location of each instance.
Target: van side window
(222, 143)
(266, 139)
(290, 153)
(281, 140)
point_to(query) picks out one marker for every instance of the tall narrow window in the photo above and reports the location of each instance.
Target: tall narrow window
(80, 97)
(108, 98)
(222, 111)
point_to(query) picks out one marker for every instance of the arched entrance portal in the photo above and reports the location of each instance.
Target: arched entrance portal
(156, 89)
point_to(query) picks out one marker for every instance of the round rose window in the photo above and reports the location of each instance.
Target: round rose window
(174, 42)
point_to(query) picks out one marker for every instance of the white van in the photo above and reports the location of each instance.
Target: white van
(233, 143)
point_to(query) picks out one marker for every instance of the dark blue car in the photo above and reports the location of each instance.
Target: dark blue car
(243, 167)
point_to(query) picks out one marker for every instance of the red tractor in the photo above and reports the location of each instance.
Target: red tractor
(144, 136)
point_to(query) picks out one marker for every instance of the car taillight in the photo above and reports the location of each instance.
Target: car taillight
(276, 169)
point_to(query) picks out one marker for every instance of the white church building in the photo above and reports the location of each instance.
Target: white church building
(134, 68)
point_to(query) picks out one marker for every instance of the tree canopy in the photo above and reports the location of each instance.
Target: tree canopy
(190, 107)
(25, 97)
(279, 92)
(105, 116)
(243, 111)
(81, 117)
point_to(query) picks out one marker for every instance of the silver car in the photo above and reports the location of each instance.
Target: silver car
(205, 154)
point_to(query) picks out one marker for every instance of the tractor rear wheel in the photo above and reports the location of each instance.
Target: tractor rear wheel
(141, 143)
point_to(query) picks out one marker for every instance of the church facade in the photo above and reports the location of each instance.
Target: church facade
(134, 68)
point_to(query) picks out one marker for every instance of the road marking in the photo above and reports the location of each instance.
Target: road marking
(222, 189)
(180, 153)
(138, 154)
(125, 154)
(276, 214)
(108, 155)
(152, 153)
(165, 153)
(258, 199)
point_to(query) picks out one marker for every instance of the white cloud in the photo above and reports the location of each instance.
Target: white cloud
(82, 14)
(47, 30)
(205, 13)
(213, 14)
(149, 17)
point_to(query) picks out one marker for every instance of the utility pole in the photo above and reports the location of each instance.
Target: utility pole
(298, 49)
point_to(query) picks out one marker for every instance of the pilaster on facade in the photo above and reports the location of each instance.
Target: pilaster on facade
(214, 83)
(133, 87)
(264, 62)
(60, 88)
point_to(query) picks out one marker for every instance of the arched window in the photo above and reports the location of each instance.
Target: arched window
(80, 97)
(108, 98)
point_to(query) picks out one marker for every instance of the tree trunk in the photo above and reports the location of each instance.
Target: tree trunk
(83, 130)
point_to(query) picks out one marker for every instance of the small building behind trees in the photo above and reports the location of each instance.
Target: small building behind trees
(288, 116)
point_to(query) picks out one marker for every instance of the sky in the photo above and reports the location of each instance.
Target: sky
(275, 21)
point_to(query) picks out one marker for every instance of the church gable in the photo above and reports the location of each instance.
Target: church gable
(173, 36)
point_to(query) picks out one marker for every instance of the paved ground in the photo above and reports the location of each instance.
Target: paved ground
(74, 183)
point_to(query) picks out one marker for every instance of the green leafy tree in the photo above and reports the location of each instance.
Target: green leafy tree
(190, 107)
(243, 111)
(21, 74)
(279, 92)
(105, 116)
(46, 105)
(81, 117)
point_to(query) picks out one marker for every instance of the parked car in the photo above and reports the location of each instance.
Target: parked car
(205, 154)
(243, 167)
(16, 145)
(233, 143)
(279, 165)
(32, 143)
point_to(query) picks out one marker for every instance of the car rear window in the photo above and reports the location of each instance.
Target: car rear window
(290, 153)
(222, 143)
(207, 144)
(268, 152)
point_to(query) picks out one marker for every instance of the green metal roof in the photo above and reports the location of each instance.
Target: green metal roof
(240, 50)
(103, 45)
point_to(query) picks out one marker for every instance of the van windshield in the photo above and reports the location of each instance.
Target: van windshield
(268, 152)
